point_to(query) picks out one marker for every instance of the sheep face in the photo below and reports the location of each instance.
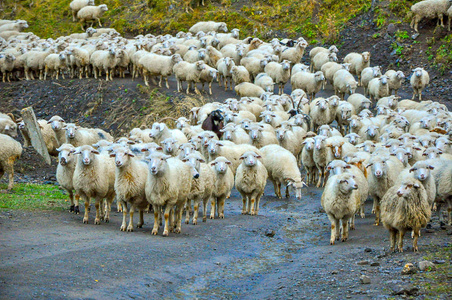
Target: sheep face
(103, 7)
(406, 137)
(421, 170)
(379, 166)
(347, 183)
(10, 128)
(426, 122)
(223, 27)
(368, 146)
(334, 101)
(366, 56)
(122, 156)
(399, 75)
(255, 132)
(432, 153)
(319, 142)
(309, 144)
(418, 72)
(319, 77)
(57, 123)
(169, 145)
(295, 186)
(346, 113)
(285, 65)
(70, 130)
(352, 138)
(186, 149)
(332, 57)
(64, 154)
(157, 162)
(442, 143)
(181, 123)
(337, 167)
(157, 130)
(86, 153)
(322, 104)
(401, 154)
(336, 149)
(90, 2)
(372, 131)
(384, 80)
(408, 186)
(281, 133)
(150, 148)
(267, 117)
(382, 110)
(324, 130)
(401, 122)
(250, 158)
(245, 123)
(393, 145)
(235, 33)
(220, 165)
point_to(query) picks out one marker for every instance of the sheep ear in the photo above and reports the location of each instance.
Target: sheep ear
(213, 163)
(412, 170)
(424, 154)
(228, 162)
(416, 185)
(343, 180)
(201, 160)
(184, 160)
(113, 155)
(144, 149)
(242, 157)
(130, 154)
(431, 167)
(258, 156)
(348, 166)
(95, 152)
(165, 157)
(369, 165)
(158, 148)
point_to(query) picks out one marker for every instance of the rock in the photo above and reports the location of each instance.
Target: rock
(364, 279)
(367, 250)
(408, 269)
(407, 290)
(334, 272)
(362, 262)
(414, 36)
(439, 262)
(375, 264)
(269, 233)
(426, 265)
(391, 29)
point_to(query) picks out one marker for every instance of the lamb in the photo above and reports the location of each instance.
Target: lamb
(343, 114)
(442, 173)
(422, 171)
(94, 177)
(428, 9)
(105, 60)
(208, 75)
(224, 67)
(279, 72)
(130, 182)
(189, 72)
(295, 54)
(170, 146)
(202, 185)
(57, 124)
(80, 58)
(378, 88)
(7, 66)
(208, 26)
(250, 181)
(314, 51)
(359, 101)
(18, 25)
(168, 185)
(254, 66)
(290, 141)
(213, 56)
(319, 112)
(405, 207)
(322, 156)
(322, 58)
(265, 82)
(260, 138)
(160, 132)
(311, 83)
(367, 74)
(395, 80)
(224, 182)
(235, 134)
(78, 136)
(330, 68)
(419, 80)
(357, 61)
(10, 150)
(307, 160)
(91, 13)
(159, 65)
(247, 89)
(344, 82)
(382, 176)
(340, 200)
(76, 5)
(55, 63)
(240, 74)
(8, 125)
(282, 168)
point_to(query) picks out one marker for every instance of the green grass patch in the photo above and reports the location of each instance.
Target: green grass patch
(33, 196)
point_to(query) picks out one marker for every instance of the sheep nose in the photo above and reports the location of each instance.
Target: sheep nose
(355, 187)
(378, 173)
(63, 161)
(196, 176)
(86, 161)
(399, 193)
(422, 176)
(118, 163)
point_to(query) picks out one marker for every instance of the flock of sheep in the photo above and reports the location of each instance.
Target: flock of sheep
(400, 155)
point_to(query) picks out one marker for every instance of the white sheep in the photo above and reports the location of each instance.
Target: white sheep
(279, 72)
(254, 65)
(340, 200)
(419, 80)
(170, 146)
(78, 136)
(395, 80)
(10, 150)
(7, 66)
(294, 54)
(224, 67)
(282, 169)
(367, 74)
(405, 207)
(247, 89)
(80, 58)
(378, 88)
(322, 58)
(359, 102)
(442, 173)
(18, 25)
(429, 9)
(94, 177)
(314, 51)
(290, 140)
(311, 83)
(357, 61)
(91, 13)
(189, 72)
(319, 112)
(240, 74)
(208, 75)
(224, 182)
(343, 83)
(8, 125)
(330, 68)
(259, 137)
(159, 65)
(168, 185)
(208, 26)
(55, 63)
(265, 82)
(130, 183)
(307, 160)
(104, 60)
(76, 5)
(343, 114)
(159, 132)
(322, 157)
(250, 181)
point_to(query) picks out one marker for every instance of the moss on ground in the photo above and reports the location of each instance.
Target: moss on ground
(33, 196)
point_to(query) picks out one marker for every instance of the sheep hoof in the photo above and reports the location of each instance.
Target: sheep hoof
(253, 213)
(165, 233)
(400, 249)
(71, 208)
(352, 227)
(177, 230)
(221, 216)
(85, 220)
(363, 216)
(129, 228)
(154, 232)
(195, 222)
(212, 217)
(343, 239)
(76, 210)
(415, 249)
(107, 220)
(332, 242)
(97, 221)
(140, 225)
(123, 228)
(244, 212)
(187, 221)
(204, 219)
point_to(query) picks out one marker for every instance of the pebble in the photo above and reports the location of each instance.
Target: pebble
(439, 262)
(426, 265)
(363, 262)
(375, 264)
(408, 269)
(269, 233)
(407, 290)
(364, 279)
(368, 250)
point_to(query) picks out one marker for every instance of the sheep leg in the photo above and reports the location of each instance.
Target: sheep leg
(141, 221)
(160, 81)
(225, 83)
(244, 201)
(100, 24)
(252, 205)
(85, 217)
(377, 214)
(221, 201)
(4, 77)
(195, 213)
(10, 170)
(167, 84)
(98, 214)
(344, 230)
(334, 229)
(187, 211)
(124, 215)
(76, 207)
(73, 16)
(449, 213)
(131, 212)
(204, 209)
(417, 234)
(392, 238)
(352, 222)
(62, 73)
(258, 200)
(167, 216)
(155, 229)
(212, 208)
(361, 210)
(320, 177)
(178, 215)
(210, 88)
(401, 235)
(196, 89)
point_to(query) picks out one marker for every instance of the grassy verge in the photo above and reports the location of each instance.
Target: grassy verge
(33, 196)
